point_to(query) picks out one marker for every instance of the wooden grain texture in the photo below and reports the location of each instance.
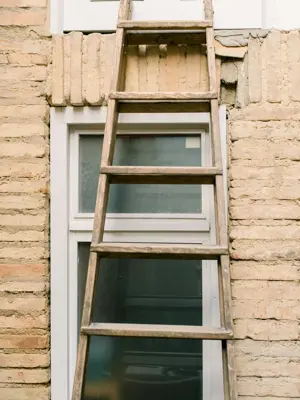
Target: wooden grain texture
(165, 107)
(232, 386)
(159, 251)
(163, 96)
(211, 60)
(225, 275)
(136, 38)
(101, 206)
(165, 25)
(162, 331)
(161, 175)
(208, 9)
(230, 389)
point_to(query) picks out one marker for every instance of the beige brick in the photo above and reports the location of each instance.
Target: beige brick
(267, 308)
(24, 322)
(3, 59)
(30, 113)
(22, 220)
(25, 93)
(93, 95)
(24, 375)
(67, 66)
(277, 387)
(26, 186)
(172, 66)
(25, 46)
(279, 271)
(22, 17)
(293, 43)
(265, 290)
(285, 130)
(22, 236)
(23, 130)
(21, 202)
(266, 113)
(242, 90)
(39, 59)
(58, 70)
(264, 232)
(277, 350)
(262, 190)
(24, 360)
(265, 250)
(106, 60)
(23, 304)
(34, 168)
(255, 70)
(152, 59)
(132, 68)
(278, 172)
(25, 393)
(33, 73)
(229, 73)
(272, 67)
(15, 149)
(266, 329)
(24, 3)
(20, 59)
(76, 68)
(267, 366)
(33, 252)
(24, 342)
(265, 211)
(263, 149)
(262, 222)
(23, 286)
(23, 270)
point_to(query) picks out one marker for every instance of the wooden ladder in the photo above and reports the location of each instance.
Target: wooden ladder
(152, 32)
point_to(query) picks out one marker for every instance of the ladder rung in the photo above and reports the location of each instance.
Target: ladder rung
(163, 96)
(164, 25)
(159, 251)
(163, 331)
(163, 175)
(163, 37)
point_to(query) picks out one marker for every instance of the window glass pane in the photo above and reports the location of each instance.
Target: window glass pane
(143, 369)
(142, 291)
(147, 151)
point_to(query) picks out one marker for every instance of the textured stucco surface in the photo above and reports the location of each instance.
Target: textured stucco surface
(262, 92)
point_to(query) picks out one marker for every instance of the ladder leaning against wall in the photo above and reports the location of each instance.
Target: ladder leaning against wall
(149, 32)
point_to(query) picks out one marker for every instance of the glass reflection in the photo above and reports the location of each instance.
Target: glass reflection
(147, 151)
(143, 369)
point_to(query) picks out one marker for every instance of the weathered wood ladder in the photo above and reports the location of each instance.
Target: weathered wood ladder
(147, 32)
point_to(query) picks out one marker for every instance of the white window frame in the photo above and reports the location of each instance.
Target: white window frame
(68, 228)
(90, 15)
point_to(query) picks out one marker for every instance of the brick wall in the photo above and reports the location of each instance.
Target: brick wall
(24, 213)
(262, 93)
(264, 220)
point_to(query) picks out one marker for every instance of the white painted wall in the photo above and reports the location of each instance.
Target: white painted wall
(99, 15)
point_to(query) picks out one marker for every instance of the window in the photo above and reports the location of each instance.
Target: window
(143, 213)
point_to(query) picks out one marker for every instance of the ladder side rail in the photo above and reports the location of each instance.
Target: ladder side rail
(229, 375)
(100, 211)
